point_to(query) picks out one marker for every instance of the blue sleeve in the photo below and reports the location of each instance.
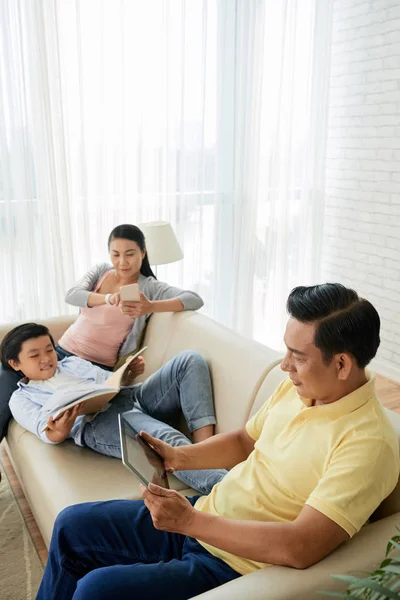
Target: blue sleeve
(29, 414)
(79, 367)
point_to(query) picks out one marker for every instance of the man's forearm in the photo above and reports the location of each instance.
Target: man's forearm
(221, 451)
(274, 543)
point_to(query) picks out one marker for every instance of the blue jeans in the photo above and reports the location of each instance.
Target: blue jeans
(111, 550)
(181, 386)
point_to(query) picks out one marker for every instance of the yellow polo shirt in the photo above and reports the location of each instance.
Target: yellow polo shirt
(341, 458)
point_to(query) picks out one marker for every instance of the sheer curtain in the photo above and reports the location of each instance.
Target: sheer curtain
(207, 113)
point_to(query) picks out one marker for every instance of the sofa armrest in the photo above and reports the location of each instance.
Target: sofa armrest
(362, 553)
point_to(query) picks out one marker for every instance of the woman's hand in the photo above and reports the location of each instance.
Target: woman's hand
(135, 368)
(58, 431)
(136, 309)
(115, 299)
(170, 511)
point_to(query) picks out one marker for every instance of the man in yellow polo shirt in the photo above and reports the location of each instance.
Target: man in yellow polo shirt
(306, 472)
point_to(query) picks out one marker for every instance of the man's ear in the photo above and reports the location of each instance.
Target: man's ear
(14, 364)
(344, 364)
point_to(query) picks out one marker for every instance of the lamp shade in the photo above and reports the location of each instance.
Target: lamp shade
(161, 243)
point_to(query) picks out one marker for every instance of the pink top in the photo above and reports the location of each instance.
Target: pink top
(98, 332)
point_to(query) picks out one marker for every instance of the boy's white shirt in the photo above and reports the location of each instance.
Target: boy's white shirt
(59, 381)
(73, 378)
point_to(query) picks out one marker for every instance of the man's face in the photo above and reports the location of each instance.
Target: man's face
(304, 363)
(37, 359)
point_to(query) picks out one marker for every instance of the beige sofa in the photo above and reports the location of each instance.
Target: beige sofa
(244, 374)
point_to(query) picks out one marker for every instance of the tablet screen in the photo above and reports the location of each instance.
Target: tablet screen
(139, 457)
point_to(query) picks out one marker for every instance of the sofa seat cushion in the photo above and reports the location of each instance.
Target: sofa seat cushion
(55, 476)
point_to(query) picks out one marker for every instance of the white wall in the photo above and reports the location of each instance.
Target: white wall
(362, 215)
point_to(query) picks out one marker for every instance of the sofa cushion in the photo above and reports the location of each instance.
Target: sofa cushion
(238, 365)
(268, 386)
(57, 326)
(391, 504)
(55, 476)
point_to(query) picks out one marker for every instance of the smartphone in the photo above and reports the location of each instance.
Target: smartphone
(129, 293)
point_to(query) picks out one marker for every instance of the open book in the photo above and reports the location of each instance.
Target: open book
(93, 401)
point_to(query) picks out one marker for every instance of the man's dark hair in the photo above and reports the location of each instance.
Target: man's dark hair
(344, 321)
(12, 343)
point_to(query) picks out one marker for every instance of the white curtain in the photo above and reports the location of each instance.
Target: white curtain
(210, 114)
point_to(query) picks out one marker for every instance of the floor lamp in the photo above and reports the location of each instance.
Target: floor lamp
(161, 243)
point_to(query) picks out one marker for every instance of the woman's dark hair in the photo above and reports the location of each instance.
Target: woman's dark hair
(12, 342)
(134, 234)
(344, 321)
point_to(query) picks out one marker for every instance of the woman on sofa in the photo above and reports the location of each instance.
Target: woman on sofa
(107, 328)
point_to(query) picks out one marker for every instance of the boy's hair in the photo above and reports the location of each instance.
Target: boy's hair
(344, 321)
(12, 343)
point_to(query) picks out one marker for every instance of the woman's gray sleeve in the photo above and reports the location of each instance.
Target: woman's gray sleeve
(79, 294)
(157, 290)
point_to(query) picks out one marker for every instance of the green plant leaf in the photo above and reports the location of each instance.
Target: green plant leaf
(393, 544)
(333, 594)
(372, 585)
(392, 569)
(338, 595)
(349, 578)
(382, 584)
(385, 562)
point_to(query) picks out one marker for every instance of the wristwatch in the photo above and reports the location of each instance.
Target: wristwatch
(107, 298)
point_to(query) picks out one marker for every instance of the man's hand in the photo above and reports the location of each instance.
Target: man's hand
(170, 454)
(137, 309)
(135, 368)
(170, 511)
(58, 431)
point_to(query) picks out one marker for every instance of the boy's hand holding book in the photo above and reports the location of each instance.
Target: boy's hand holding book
(58, 431)
(135, 368)
(58, 427)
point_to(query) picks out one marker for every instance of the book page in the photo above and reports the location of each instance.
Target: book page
(62, 398)
(92, 403)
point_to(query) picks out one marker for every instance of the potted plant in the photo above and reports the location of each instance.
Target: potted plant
(382, 584)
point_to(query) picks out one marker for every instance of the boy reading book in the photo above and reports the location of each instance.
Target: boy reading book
(181, 386)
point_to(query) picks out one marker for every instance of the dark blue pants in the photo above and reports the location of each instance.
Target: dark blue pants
(111, 550)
